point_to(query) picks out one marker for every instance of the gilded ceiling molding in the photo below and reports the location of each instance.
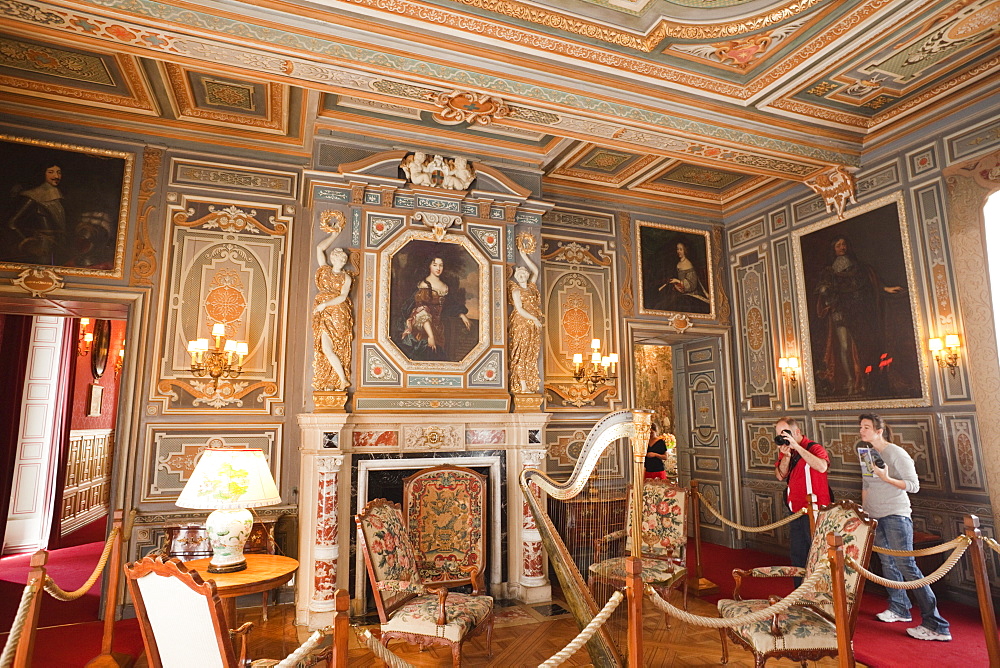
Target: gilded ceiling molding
(469, 107)
(170, 45)
(548, 18)
(836, 187)
(144, 258)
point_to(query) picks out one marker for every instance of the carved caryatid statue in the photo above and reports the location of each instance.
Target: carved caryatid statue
(332, 320)
(524, 334)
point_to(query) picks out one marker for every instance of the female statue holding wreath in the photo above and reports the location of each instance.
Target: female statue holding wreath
(333, 318)
(524, 334)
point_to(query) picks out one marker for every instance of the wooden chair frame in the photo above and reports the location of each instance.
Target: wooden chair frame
(819, 542)
(678, 559)
(386, 609)
(192, 579)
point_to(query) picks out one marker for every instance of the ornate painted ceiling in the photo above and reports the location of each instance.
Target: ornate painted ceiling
(684, 100)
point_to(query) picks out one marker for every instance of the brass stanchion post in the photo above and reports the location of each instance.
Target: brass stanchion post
(835, 553)
(108, 658)
(702, 586)
(978, 558)
(26, 646)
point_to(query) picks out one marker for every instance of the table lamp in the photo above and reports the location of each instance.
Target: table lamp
(229, 480)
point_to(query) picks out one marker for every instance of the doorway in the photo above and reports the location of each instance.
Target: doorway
(61, 411)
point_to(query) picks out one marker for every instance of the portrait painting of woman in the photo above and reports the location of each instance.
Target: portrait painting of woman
(675, 270)
(433, 317)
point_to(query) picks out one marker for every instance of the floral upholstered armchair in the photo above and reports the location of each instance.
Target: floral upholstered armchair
(807, 630)
(664, 541)
(407, 609)
(444, 508)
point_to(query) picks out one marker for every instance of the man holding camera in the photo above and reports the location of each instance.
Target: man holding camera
(803, 463)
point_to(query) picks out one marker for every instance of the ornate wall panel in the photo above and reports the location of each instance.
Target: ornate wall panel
(756, 340)
(977, 141)
(585, 221)
(228, 264)
(761, 451)
(787, 332)
(172, 451)
(876, 180)
(963, 450)
(745, 234)
(215, 176)
(914, 433)
(942, 313)
(579, 300)
(922, 161)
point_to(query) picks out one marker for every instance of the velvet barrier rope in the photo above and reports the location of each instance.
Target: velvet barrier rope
(962, 543)
(741, 527)
(808, 586)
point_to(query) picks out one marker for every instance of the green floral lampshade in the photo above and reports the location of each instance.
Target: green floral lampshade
(228, 479)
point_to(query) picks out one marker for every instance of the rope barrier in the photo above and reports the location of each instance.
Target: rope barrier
(309, 645)
(934, 549)
(995, 546)
(56, 592)
(381, 651)
(586, 634)
(740, 527)
(10, 649)
(914, 584)
(807, 587)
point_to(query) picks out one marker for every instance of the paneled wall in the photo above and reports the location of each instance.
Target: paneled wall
(940, 423)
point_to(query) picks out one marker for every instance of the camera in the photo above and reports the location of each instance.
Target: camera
(781, 439)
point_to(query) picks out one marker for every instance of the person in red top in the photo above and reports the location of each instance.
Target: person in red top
(803, 463)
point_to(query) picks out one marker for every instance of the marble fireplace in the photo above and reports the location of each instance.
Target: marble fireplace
(345, 458)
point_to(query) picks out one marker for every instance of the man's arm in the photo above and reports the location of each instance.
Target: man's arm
(781, 467)
(818, 464)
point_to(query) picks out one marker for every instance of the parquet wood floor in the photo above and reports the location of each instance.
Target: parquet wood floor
(527, 643)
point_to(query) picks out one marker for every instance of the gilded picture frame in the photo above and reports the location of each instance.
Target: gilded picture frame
(405, 266)
(858, 305)
(675, 271)
(64, 207)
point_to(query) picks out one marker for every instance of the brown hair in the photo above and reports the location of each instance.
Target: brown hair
(877, 423)
(790, 421)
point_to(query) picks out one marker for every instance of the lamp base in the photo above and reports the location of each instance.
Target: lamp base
(228, 531)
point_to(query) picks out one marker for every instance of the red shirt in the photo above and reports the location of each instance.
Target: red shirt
(797, 494)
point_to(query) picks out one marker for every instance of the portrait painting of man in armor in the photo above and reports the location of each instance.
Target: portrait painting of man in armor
(61, 206)
(434, 301)
(856, 298)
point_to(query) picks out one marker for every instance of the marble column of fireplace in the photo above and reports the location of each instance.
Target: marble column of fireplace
(332, 447)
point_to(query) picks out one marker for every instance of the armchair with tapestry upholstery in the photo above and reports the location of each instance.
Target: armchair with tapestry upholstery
(806, 631)
(664, 541)
(182, 622)
(406, 608)
(444, 508)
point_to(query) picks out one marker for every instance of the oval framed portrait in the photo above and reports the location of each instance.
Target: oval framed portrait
(99, 351)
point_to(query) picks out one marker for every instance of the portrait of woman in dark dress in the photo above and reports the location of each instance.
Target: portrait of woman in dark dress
(433, 323)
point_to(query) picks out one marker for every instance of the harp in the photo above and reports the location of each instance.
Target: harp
(633, 425)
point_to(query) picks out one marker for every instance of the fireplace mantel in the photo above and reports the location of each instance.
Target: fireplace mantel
(334, 444)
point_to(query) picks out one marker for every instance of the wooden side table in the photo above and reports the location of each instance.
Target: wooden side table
(263, 572)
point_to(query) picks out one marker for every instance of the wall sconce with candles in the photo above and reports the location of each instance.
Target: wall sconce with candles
(946, 359)
(86, 340)
(225, 360)
(788, 365)
(120, 361)
(598, 371)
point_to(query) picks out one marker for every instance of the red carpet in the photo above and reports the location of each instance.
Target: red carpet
(73, 646)
(876, 644)
(89, 533)
(69, 567)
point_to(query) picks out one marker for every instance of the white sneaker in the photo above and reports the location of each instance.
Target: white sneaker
(890, 616)
(924, 633)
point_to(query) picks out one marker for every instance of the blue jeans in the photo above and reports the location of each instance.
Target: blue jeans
(800, 540)
(896, 533)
